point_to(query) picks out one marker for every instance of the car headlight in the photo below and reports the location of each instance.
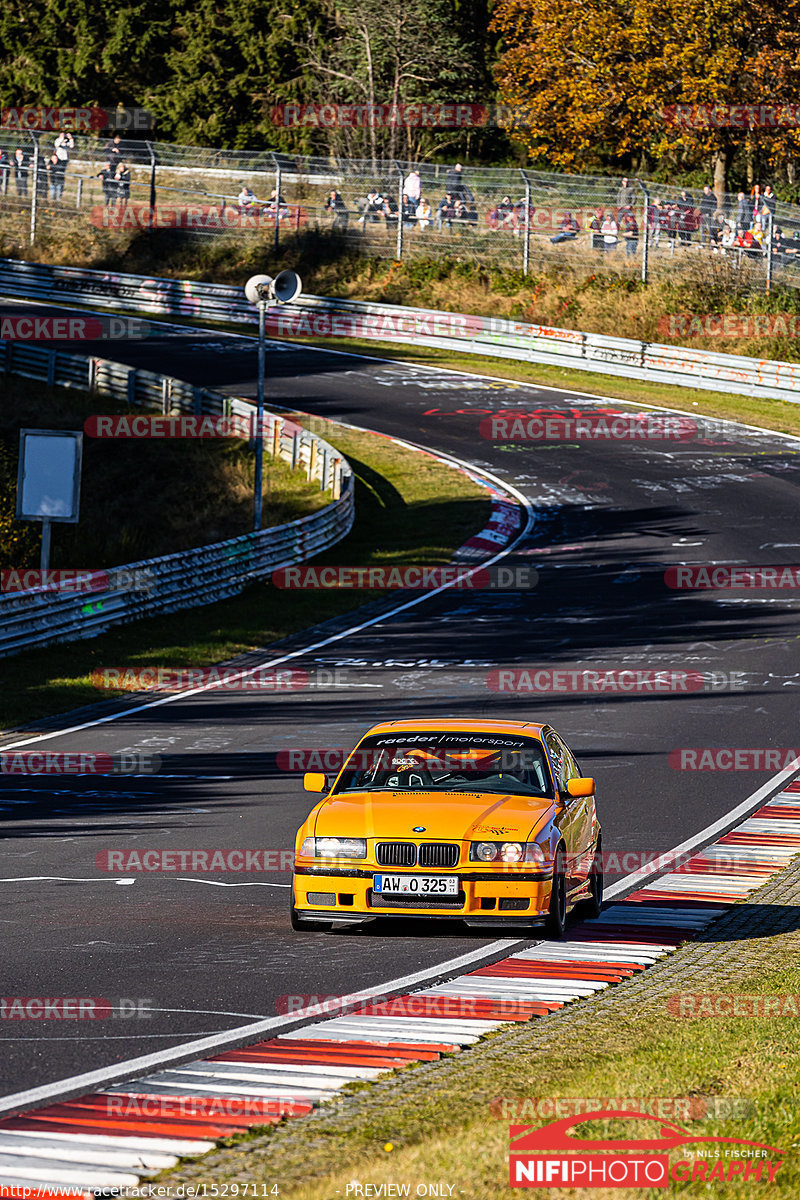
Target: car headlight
(507, 852)
(334, 847)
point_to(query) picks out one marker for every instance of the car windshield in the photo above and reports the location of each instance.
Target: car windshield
(447, 761)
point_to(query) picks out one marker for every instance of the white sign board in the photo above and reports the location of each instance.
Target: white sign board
(49, 476)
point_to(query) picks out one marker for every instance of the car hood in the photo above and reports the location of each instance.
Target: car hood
(449, 816)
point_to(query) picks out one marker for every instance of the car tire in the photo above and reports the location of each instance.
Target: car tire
(556, 919)
(592, 906)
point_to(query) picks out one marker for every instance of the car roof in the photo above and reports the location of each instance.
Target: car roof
(532, 728)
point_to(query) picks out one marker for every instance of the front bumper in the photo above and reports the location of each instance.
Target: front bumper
(346, 895)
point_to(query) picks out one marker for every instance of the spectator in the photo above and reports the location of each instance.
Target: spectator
(372, 209)
(567, 229)
(459, 211)
(629, 228)
(246, 200)
(445, 212)
(122, 183)
(412, 189)
(56, 172)
(742, 213)
(106, 177)
(21, 170)
(595, 230)
(626, 195)
(708, 206)
(337, 208)
(113, 147)
(768, 201)
(423, 214)
(472, 213)
(504, 215)
(755, 203)
(5, 170)
(716, 229)
(390, 213)
(657, 221)
(63, 144)
(686, 216)
(609, 230)
(673, 221)
(456, 185)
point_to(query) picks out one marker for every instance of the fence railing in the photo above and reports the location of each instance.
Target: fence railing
(43, 616)
(318, 316)
(506, 215)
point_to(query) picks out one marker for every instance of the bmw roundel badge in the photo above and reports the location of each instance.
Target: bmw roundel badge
(418, 829)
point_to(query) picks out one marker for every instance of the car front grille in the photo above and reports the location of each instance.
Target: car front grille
(438, 854)
(396, 854)
(396, 900)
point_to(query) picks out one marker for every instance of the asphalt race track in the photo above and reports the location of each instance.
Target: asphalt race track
(208, 953)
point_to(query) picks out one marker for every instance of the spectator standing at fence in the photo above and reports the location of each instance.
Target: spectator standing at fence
(456, 185)
(625, 195)
(768, 200)
(629, 228)
(106, 177)
(424, 214)
(113, 147)
(122, 183)
(337, 209)
(63, 144)
(657, 221)
(685, 211)
(390, 213)
(412, 189)
(708, 206)
(755, 202)
(5, 170)
(715, 231)
(373, 208)
(742, 213)
(609, 230)
(56, 171)
(21, 169)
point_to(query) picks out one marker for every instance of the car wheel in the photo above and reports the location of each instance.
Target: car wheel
(557, 916)
(592, 906)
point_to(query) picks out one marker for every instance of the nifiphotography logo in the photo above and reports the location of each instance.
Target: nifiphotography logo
(552, 1157)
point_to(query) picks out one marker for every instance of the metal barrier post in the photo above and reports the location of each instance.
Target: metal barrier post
(152, 206)
(526, 243)
(399, 253)
(769, 251)
(645, 230)
(35, 191)
(79, 196)
(259, 478)
(277, 202)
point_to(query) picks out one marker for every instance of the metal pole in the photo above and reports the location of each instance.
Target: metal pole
(35, 192)
(152, 206)
(646, 230)
(526, 244)
(44, 560)
(399, 211)
(79, 197)
(769, 251)
(277, 203)
(262, 316)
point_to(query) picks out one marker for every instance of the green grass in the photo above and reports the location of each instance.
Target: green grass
(440, 1123)
(410, 509)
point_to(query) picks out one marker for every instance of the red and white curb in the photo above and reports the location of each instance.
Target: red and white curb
(134, 1130)
(503, 525)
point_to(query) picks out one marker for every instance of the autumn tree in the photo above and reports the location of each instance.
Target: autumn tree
(596, 79)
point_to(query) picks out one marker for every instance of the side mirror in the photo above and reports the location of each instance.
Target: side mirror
(315, 781)
(580, 787)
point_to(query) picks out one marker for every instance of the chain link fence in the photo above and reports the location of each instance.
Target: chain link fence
(518, 219)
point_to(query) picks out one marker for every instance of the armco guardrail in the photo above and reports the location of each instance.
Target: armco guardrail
(40, 617)
(317, 316)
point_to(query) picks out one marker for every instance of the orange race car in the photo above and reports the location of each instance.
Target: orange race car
(489, 822)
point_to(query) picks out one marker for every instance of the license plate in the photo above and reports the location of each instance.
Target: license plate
(416, 885)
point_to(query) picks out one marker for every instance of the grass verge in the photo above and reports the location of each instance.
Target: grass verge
(437, 1123)
(410, 509)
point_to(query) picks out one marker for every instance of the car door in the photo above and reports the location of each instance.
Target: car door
(574, 812)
